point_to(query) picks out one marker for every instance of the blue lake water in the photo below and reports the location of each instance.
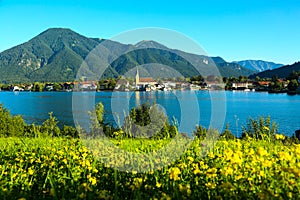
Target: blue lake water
(188, 107)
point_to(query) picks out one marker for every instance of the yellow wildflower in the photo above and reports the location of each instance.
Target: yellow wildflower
(30, 171)
(93, 180)
(174, 172)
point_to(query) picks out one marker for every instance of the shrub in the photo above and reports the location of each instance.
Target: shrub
(200, 132)
(50, 127)
(227, 134)
(261, 129)
(149, 122)
(10, 125)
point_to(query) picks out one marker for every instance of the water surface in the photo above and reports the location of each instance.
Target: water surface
(188, 107)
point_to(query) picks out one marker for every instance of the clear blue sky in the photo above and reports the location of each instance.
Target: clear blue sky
(234, 30)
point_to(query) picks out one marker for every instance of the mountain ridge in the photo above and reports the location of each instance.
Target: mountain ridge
(281, 72)
(56, 54)
(258, 65)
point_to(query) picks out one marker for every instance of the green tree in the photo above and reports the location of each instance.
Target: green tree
(57, 87)
(10, 125)
(38, 87)
(261, 129)
(148, 121)
(227, 134)
(96, 120)
(243, 79)
(293, 75)
(200, 132)
(50, 126)
(293, 85)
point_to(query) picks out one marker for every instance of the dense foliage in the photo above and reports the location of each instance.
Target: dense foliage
(14, 126)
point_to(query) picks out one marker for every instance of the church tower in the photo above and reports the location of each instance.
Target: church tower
(137, 77)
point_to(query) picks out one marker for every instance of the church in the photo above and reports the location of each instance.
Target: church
(144, 83)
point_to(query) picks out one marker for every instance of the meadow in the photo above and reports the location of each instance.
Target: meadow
(60, 168)
(51, 162)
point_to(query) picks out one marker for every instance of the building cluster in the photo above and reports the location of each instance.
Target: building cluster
(150, 84)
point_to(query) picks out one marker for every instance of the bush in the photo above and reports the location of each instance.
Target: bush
(227, 134)
(148, 121)
(69, 131)
(10, 125)
(200, 132)
(261, 129)
(50, 126)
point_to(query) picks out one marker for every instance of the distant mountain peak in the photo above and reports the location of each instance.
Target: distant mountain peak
(149, 44)
(258, 65)
(57, 30)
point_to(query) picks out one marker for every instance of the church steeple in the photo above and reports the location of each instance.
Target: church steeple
(137, 77)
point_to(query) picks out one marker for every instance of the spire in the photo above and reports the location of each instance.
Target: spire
(137, 77)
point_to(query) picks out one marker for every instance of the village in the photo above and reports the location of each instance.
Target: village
(148, 84)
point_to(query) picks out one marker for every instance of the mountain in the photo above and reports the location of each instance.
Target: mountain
(228, 69)
(52, 55)
(281, 72)
(58, 53)
(258, 65)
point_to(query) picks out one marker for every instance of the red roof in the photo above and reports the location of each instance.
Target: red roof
(264, 82)
(146, 80)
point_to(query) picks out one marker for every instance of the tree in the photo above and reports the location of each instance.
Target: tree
(148, 121)
(200, 132)
(38, 87)
(243, 79)
(10, 125)
(293, 85)
(57, 87)
(96, 120)
(257, 78)
(293, 75)
(261, 129)
(227, 134)
(50, 126)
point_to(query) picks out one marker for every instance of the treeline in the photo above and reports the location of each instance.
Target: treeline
(145, 121)
(15, 126)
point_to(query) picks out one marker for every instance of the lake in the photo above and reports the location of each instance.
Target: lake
(208, 108)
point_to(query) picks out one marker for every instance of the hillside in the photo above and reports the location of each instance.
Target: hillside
(281, 72)
(52, 55)
(258, 65)
(57, 53)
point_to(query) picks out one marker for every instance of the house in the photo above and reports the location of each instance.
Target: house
(264, 83)
(194, 87)
(122, 84)
(261, 85)
(86, 85)
(147, 81)
(169, 84)
(17, 88)
(215, 85)
(242, 86)
(285, 84)
(49, 87)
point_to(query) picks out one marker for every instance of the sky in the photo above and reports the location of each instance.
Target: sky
(233, 29)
